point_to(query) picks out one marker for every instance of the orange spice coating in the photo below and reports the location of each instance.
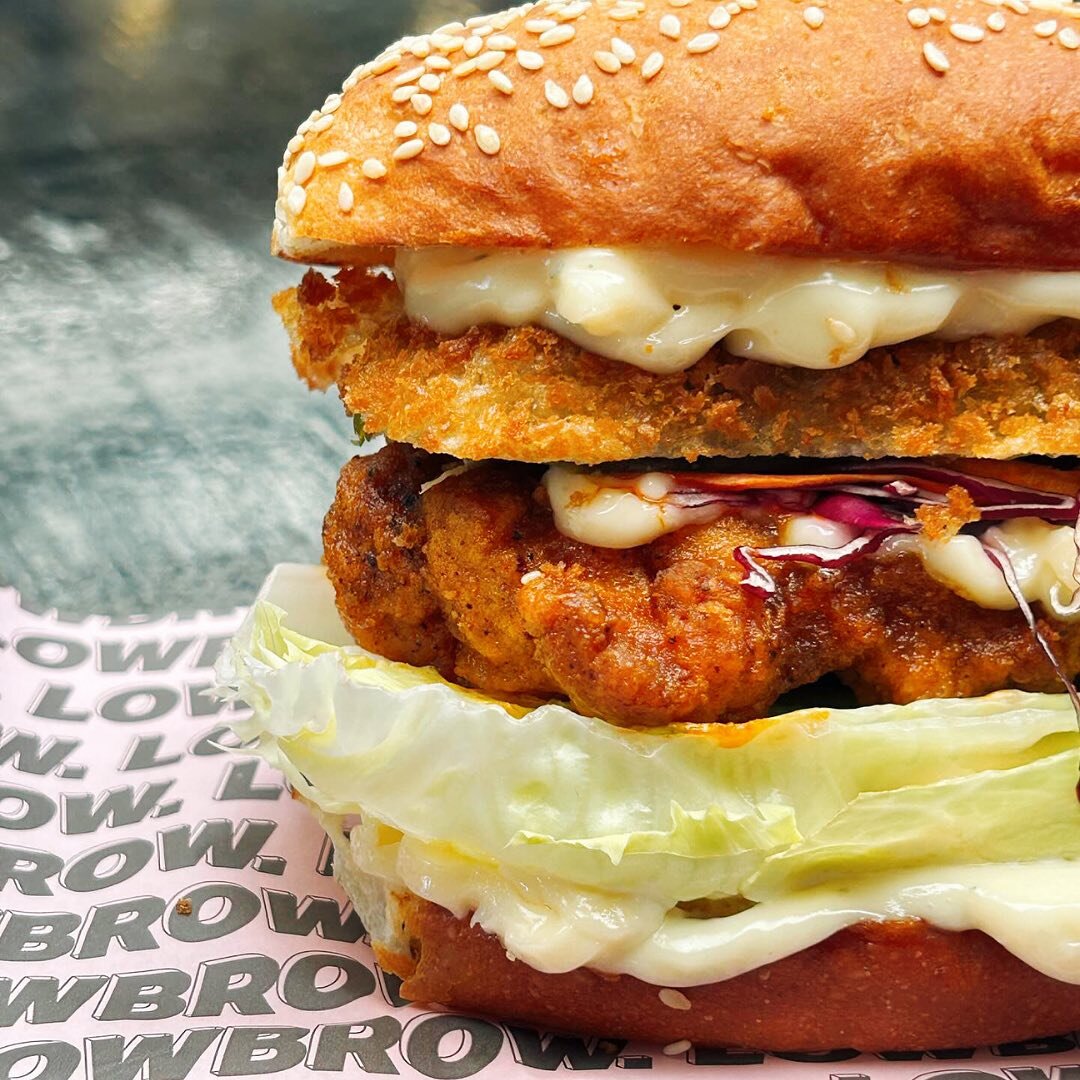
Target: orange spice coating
(651, 635)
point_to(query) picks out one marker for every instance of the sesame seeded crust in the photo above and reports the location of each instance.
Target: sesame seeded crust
(899, 985)
(859, 129)
(526, 394)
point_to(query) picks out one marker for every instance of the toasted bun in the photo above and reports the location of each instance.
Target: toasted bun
(766, 135)
(899, 985)
(526, 394)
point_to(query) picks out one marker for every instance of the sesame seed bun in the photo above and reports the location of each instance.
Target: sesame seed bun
(898, 985)
(862, 128)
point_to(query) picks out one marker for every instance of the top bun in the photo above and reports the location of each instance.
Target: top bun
(859, 128)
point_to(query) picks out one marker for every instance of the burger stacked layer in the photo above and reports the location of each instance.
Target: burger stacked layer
(695, 660)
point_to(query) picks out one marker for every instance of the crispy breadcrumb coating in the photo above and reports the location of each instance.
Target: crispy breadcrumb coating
(526, 394)
(651, 635)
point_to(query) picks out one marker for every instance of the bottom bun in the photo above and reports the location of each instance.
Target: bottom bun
(900, 985)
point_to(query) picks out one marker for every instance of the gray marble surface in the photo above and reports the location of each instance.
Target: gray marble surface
(156, 451)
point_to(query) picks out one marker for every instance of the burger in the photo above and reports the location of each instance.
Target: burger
(694, 661)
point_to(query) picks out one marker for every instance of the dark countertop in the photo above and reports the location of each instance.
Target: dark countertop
(156, 450)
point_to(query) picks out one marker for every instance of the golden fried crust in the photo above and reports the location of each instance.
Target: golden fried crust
(781, 138)
(900, 985)
(373, 547)
(527, 394)
(651, 635)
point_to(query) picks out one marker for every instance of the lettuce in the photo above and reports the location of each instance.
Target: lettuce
(782, 804)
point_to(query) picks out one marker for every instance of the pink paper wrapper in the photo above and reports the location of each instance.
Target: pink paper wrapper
(167, 911)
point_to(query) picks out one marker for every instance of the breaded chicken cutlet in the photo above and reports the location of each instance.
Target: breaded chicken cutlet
(473, 577)
(527, 394)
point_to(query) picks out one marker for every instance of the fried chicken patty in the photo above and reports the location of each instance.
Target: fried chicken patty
(527, 394)
(651, 635)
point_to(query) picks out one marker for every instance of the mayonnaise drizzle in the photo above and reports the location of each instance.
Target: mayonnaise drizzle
(663, 309)
(1032, 909)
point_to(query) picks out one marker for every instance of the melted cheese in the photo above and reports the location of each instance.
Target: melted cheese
(663, 309)
(1032, 909)
(1043, 555)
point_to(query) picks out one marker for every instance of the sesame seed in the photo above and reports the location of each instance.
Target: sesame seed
(482, 31)
(583, 90)
(344, 198)
(296, 198)
(408, 150)
(935, 57)
(491, 59)
(421, 103)
(670, 26)
(530, 61)
(607, 61)
(332, 158)
(532, 575)
(623, 50)
(937, 14)
(1017, 5)
(676, 1048)
(1046, 29)
(557, 36)
(679, 3)
(408, 76)
(653, 63)
(719, 17)
(447, 43)
(732, 7)
(814, 17)
(501, 82)
(703, 42)
(841, 331)
(476, 21)
(556, 95)
(466, 67)
(674, 999)
(331, 104)
(487, 138)
(748, 5)
(323, 123)
(1069, 38)
(439, 63)
(503, 42)
(305, 166)
(573, 11)
(294, 144)
(540, 26)
(967, 32)
(473, 45)
(439, 134)
(918, 17)
(620, 14)
(995, 21)
(430, 82)
(459, 117)
(403, 93)
(420, 48)
(405, 130)
(373, 169)
(385, 64)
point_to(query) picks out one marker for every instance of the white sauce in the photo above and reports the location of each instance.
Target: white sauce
(1043, 555)
(663, 309)
(1032, 909)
